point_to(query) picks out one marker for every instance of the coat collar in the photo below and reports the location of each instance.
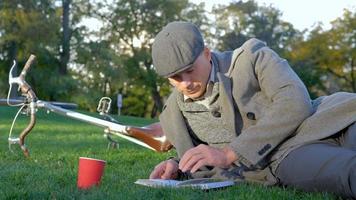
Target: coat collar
(225, 62)
(226, 101)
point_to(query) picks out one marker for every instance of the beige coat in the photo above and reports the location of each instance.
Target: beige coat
(267, 105)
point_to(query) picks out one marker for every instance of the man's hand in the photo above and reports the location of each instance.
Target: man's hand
(165, 170)
(204, 155)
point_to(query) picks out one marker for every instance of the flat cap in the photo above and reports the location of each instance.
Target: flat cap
(176, 47)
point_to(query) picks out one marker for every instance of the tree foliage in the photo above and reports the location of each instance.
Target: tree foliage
(27, 27)
(239, 21)
(75, 63)
(327, 58)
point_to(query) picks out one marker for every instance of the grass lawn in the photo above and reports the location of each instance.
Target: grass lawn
(56, 143)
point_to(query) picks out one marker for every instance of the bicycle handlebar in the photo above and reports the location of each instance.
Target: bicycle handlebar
(27, 66)
(31, 97)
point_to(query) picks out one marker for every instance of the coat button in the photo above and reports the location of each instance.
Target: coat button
(216, 114)
(251, 116)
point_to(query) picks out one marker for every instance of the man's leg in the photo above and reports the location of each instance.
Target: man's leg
(320, 166)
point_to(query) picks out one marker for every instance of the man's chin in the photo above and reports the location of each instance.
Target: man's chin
(194, 96)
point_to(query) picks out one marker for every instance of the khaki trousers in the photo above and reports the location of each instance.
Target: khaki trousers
(328, 165)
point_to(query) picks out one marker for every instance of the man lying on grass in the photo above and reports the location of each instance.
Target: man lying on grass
(245, 115)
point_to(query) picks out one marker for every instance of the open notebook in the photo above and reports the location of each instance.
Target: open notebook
(201, 183)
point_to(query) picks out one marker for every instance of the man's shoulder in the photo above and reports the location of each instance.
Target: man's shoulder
(252, 45)
(250, 48)
(246, 52)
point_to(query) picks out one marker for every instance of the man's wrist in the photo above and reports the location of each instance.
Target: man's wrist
(230, 155)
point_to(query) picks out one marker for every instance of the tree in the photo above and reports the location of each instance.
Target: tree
(329, 56)
(343, 45)
(98, 71)
(303, 57)
(239, 21)
(66, 35)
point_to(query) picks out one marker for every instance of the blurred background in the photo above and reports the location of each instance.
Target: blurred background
(87, 49)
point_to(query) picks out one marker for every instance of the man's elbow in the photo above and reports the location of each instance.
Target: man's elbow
(302, 109)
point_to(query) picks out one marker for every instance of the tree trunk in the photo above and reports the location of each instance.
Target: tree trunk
(152, 82)
(352, 73)
(64, 55)
(157, 103)
(12, 51)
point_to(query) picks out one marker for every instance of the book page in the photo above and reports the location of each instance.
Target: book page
(199, 181)
(157, 182)
(203, 183)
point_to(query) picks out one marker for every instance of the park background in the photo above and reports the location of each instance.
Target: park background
(87, 49)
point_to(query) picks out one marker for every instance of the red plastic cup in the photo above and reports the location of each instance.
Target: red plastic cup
(90, 171)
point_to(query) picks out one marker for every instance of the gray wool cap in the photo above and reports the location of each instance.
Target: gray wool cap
(176, 48)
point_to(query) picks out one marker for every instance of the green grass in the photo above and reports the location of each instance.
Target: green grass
(56, 143)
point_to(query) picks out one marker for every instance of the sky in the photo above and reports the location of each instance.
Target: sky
(303, 14)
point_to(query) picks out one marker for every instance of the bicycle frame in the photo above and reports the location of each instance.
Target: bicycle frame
(150, 137)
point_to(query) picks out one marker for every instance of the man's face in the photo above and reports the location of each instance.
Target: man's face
(192, 81)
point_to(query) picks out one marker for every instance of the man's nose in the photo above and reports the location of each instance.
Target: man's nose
(185, 81)
(185, 84)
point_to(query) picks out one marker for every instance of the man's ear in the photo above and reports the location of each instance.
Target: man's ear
(207, 53)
